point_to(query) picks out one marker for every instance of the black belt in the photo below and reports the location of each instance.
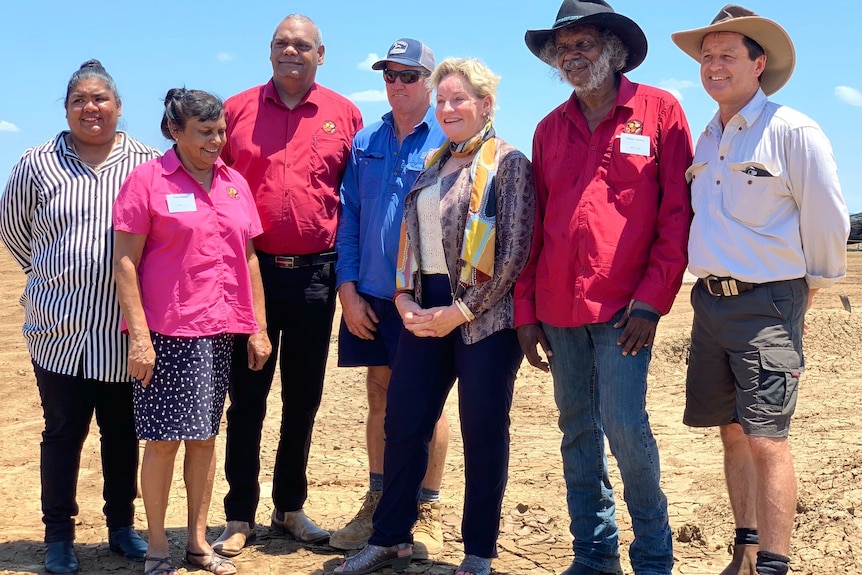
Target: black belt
(726, 287)
(293, 262)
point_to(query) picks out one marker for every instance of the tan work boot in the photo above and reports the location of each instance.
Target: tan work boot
(355, 534)
(744, 560)
(428, 531)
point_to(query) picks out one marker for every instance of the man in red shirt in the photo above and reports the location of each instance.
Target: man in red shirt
(607, 260)
(291, 140)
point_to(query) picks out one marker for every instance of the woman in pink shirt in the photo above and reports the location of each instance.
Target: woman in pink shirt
(188, 280)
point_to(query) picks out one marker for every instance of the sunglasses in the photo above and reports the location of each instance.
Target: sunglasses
(407, 76)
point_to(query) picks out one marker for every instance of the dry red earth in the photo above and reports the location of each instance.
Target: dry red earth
(826, 439)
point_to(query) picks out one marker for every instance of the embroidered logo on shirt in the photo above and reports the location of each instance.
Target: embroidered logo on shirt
(634, 127)
(233, 193)
(329, 127)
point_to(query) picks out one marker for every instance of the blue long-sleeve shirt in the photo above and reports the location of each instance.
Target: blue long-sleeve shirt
(379, 174)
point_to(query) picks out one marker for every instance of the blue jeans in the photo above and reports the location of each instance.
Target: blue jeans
(600, 393)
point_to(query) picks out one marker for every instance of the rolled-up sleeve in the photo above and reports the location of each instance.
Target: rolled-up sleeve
(824, 222)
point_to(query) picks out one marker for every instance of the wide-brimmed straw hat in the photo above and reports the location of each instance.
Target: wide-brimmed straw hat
(596, 13)
(780, 55)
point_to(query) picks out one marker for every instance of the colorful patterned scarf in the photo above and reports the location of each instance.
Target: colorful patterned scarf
(480, 231)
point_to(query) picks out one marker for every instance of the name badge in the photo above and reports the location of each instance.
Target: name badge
(634, 144)
(181, 203)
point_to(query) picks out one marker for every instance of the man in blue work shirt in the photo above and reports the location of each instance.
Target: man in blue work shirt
(385, 161)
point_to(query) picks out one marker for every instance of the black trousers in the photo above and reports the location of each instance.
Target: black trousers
(300, 304)
(68, 404)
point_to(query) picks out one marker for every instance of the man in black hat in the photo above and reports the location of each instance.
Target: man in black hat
(385, 160)
(608, 256)
(770, 228)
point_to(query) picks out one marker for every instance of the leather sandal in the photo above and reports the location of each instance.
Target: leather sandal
(212, 562)
(158, 568)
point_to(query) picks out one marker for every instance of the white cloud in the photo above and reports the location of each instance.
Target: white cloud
(366, 64)
(848, 95)
(675, 86)
(8, 127)
(224, 57)
(368, 96)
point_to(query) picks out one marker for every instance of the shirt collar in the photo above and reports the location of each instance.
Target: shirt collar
(747, 115)
(427, 120)
(270, 93)
(171, 162)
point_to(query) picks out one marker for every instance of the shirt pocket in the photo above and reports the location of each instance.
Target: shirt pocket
(370, 167)
(328, 155)
(750, 195)
(699, 197)
(632, 180)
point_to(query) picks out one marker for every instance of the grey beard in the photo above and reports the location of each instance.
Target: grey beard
(600, 70)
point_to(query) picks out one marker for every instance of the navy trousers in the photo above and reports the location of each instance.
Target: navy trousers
(423, 373)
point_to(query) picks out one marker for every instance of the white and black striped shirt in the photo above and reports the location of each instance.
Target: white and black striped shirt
(55, 219)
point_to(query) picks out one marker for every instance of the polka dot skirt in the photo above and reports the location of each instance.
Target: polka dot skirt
(185, 398)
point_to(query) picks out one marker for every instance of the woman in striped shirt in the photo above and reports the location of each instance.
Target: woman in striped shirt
(55, 220)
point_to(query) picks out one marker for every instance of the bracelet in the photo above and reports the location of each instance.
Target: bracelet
(645, 314)
(465, 311)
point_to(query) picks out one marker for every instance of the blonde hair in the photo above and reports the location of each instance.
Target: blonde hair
(480, 78)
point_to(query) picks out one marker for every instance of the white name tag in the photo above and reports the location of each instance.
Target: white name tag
(634, 144)
(181, 203)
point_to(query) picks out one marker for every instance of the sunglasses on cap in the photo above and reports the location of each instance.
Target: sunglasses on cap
(407, 76)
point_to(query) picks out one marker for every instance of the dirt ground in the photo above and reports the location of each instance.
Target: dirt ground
(826, 439)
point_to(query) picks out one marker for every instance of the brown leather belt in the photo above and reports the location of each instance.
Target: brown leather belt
(726, 287)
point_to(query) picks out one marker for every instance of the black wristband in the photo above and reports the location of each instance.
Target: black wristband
(645, 314)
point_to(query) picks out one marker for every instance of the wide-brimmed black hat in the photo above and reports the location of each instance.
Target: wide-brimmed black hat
(780, 55)
(596, 13)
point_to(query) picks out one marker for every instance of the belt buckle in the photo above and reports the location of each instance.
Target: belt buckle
(729, 286)
(287, 262)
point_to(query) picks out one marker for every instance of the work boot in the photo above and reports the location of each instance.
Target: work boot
(428, 531)
(355, 534)
(744, 560)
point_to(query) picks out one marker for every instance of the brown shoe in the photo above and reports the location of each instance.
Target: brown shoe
(297, 525)
(236, 535)
(744, 560)
(428, 531)
(355, 534)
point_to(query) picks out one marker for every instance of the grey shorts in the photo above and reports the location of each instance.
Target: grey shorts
(746, 357)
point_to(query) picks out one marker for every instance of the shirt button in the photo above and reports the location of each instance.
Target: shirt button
(750, 182)
(593, 148)
(721, 157)
(717, 182)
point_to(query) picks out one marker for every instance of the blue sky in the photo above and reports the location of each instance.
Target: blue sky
(223, 47)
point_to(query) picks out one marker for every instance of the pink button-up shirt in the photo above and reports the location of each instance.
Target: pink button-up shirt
(193, 272)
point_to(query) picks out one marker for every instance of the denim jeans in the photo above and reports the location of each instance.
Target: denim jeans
(601, 393)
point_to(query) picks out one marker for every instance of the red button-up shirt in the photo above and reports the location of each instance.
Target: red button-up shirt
(610, 226)
(294, 161)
